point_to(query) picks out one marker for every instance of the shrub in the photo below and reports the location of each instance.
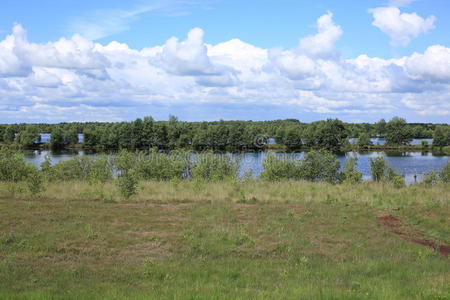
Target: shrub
(315, 166)
(161, 166)
(444, 173)
(99, 169)
(214, 167)
(127, 183)
(378, 168)
(364, 140)
(276, 168)
(320, 166)
(13, 166)
(350, 175)
(35, 182)
(431, 178)
(381, 171)
(125, 161)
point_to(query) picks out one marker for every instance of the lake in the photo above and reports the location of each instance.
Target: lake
(406, 163)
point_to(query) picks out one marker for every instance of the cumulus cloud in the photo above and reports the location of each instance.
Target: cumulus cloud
(76, 79)
(433, 65)
(12, 58)
(322, 43)
(400, 27)
(186, 58)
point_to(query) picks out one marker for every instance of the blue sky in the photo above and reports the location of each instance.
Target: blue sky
(113, 60)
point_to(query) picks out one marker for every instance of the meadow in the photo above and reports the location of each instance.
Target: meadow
(318, 233)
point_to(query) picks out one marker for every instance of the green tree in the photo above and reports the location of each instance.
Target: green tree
(398, 132)
(380, 127)
(10, 134)
(441, 136)
(364, 140)
(29, 136)
(71, 136)
(350, 174)
(330, 134)
(57, 138)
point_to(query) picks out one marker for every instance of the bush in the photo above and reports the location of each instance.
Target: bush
(364, 140)
(378, 168)
(35, 182)
(99, 169)
(444, 173)
(350, 175)
(320, 166)
(431, 178)
(276, 168)
(315, 166)
(215, 167)
(13, 166)
(127, 183)
(161, 166)
(381, 171)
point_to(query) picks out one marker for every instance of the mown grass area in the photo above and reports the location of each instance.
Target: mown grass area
(232, 240)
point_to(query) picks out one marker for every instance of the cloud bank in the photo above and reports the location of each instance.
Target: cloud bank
(77, 79)
(400, 27)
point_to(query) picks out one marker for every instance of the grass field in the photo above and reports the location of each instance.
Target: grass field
(228, 240)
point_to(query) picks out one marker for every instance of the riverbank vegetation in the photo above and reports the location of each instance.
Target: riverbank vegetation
(127, 169)
(228, 135)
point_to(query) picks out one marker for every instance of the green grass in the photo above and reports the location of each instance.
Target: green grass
(229, 240)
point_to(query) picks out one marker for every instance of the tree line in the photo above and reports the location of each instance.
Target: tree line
(223, 135)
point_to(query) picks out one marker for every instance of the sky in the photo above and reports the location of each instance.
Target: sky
(360, 61)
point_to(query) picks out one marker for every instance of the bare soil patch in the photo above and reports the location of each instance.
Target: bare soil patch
(410, 233)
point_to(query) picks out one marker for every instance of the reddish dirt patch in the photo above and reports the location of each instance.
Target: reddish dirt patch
(407, 232)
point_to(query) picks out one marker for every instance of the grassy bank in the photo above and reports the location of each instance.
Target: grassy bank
(250, 239)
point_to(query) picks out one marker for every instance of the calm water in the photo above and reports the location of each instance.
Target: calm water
(406, 163)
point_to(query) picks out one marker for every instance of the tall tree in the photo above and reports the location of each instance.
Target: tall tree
(398, 132)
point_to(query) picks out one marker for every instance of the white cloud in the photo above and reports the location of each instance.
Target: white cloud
(322, 43)
(189, 57)
(400, 27)
(433, 65)
(12, 59)
(76, 79)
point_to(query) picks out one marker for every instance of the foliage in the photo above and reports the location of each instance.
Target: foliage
(441, 136)
(215, 167)
(444, 173)
(320, 166)
(276, 168)
(9, 135)
(381, 171)
(398, 132)
(147, 133)
(127, 183)
(35, 181)
(161, 166)
(99, 169)
(350, 175)
(28, 137)
(364, 140)
(13, 166)
(330, 134)
(315, 166)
